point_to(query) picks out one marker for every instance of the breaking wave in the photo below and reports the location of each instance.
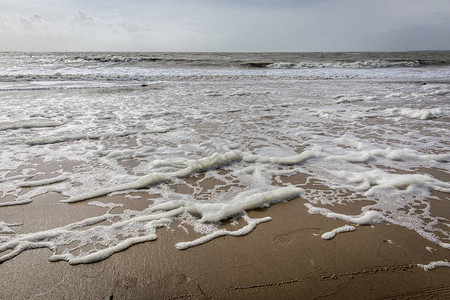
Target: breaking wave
(367, 64)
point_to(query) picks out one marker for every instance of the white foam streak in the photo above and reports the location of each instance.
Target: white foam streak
(54, 238)
(145, 181)
(102, 254)
(149, 218)
(6, 228)
(290, 160)
(28, 125)
(15, 202)
(391, 154)
(366, 218)
(17, 177)
(215, 212)
(332, 234)
(252, 223)
(147, 221)
(375, 182)
(191, 167)
(433, 265)
(43, 181)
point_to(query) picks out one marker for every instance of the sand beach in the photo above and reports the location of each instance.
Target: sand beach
(225, 176)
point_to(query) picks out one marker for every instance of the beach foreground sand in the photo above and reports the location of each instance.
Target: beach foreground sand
(282, 259)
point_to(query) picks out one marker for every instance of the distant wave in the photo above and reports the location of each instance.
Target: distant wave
(317, 60)
(366, 64)
(263, 64)
(227, 61)
(118, 59)
(42, 71)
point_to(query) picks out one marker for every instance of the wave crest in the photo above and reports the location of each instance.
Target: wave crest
(367, 64)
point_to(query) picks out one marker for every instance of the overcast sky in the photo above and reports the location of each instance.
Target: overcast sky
(224, 25)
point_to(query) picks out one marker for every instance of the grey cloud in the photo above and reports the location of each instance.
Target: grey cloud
(83, 17)
(212, 25)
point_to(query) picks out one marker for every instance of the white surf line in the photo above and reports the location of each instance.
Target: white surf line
(29, 125)
(290, 160)
(12, 203)
(18, 177)
(144, 181)
(332, 234)
(70, 138)
(388, 153)
(43, 181)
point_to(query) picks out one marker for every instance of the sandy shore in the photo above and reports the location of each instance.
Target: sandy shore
(231, 133)
(282, 259)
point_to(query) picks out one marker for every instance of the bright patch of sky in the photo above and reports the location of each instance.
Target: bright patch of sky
(233, 25)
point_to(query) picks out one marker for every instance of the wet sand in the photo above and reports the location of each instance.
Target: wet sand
(282, 259)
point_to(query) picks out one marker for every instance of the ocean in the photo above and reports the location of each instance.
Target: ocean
(190, 141)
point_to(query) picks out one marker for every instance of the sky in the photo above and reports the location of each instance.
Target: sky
(224, 25)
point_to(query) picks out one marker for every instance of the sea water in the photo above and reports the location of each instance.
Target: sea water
(201, 138)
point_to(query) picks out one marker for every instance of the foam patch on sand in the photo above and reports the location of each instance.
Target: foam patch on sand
(186, 168)
(251, 225)
(95, 242)
(6, 228)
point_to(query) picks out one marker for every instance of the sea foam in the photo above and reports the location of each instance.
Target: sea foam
(196, 146)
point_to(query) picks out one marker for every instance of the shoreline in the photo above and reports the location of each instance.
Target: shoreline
(204, 144)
